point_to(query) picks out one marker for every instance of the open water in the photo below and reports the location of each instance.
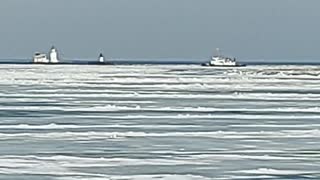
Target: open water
(171, 122)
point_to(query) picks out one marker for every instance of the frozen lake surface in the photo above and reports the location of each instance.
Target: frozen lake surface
(171, 122)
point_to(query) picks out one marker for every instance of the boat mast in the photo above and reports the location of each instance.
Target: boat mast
(218, 52)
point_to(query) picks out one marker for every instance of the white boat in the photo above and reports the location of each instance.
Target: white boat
(42, 58)
(222, 61)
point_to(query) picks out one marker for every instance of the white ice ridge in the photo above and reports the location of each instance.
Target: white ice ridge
(91, 135)
(143, 177)
(114, 108)
(184, 95)
(268, 171)
(66, 166)
(74, 126)
(86, 162)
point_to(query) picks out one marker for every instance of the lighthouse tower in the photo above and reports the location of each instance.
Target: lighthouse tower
(53, 55)
(101, 58)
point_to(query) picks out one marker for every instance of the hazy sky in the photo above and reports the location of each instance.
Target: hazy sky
(247, 29)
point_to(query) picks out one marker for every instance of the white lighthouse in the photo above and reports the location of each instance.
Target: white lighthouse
(53, 55)
(101, 58)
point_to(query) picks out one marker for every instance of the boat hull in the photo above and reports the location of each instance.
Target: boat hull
(210, 65)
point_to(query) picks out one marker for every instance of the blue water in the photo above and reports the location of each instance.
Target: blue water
(159, 122)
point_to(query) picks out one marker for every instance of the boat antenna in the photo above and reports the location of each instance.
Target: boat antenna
(218, 52)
